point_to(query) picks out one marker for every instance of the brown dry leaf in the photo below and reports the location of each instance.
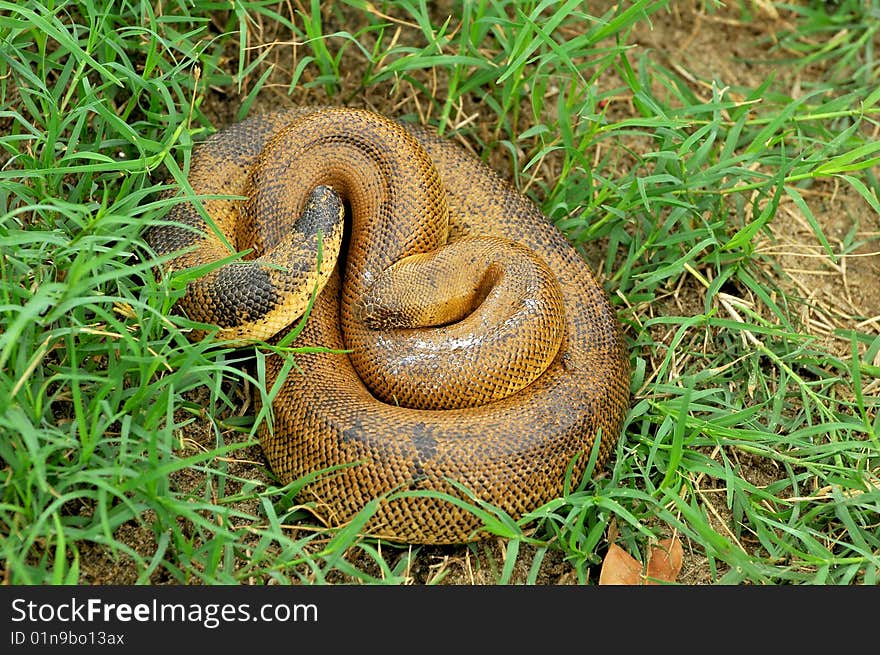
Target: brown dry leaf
(664, 565)
(619, 567)
(664, 561)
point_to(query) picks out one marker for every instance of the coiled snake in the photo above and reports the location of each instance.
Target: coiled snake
(436, 239)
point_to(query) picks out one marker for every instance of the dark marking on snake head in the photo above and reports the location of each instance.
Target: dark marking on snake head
(322, 211)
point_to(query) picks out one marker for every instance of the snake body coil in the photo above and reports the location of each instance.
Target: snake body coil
(406, 410)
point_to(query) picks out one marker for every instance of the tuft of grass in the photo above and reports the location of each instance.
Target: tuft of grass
(841, 36)
(751, 434)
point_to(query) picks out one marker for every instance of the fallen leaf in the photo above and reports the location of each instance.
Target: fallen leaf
(620, 568)
(664, 561)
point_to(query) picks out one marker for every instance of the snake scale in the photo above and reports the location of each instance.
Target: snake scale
(407, 409)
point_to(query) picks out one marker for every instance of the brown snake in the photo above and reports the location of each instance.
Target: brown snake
(403, 411)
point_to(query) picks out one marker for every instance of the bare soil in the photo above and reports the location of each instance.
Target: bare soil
(700, 47)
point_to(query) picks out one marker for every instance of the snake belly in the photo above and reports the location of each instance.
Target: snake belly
(423, 465)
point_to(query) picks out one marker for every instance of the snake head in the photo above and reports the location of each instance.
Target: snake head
(323, 211)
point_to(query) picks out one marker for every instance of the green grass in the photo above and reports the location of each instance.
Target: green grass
(100, 391)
